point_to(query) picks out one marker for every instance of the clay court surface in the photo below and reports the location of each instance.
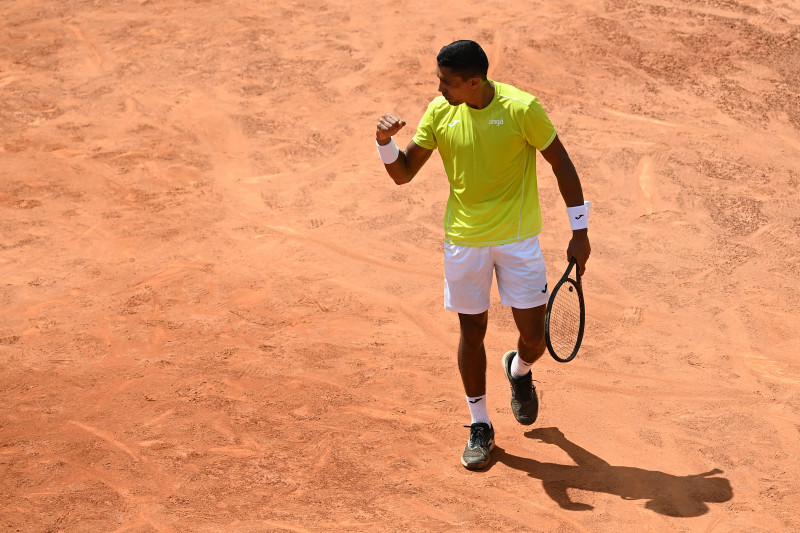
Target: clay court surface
(217, 313)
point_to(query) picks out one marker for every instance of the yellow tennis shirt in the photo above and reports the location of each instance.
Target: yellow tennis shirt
(489, 156)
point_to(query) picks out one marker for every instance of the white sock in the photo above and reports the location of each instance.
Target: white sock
(519, 367)
(477, 409)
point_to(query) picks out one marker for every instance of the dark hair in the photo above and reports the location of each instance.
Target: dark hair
(465, 58)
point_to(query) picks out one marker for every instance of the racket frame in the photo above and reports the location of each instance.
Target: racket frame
(566, 280)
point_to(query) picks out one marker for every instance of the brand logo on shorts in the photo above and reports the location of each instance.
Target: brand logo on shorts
(545, 288)
(497, 122)
(454, 123)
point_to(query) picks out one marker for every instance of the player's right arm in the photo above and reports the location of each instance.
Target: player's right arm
(408, 162)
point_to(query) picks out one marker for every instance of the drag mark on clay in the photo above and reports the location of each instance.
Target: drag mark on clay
(171, 273)
(640, 118)
(646, 183)
(389, 416)
(81, 37)
(159, 418)
(322, 461)
(354, 255)
(279, 525)
(237, 451)
(769, 368)
(147, 516)
(8, 81)
(791, 142)
(108, 438)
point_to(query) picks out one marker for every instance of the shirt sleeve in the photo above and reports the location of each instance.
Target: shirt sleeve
(536, 126)
(426, 136)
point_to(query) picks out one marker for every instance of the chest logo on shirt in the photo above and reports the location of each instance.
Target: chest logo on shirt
(453, 123)
(497, 122)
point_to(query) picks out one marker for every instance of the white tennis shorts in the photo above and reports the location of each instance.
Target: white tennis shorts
(520, 270)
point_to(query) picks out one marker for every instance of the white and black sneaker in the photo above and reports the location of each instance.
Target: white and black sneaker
(481, 442)
(524, 403)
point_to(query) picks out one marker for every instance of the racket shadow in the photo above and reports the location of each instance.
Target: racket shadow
(667, 494)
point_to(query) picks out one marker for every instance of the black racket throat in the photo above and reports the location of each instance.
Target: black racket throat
(565, 318)
(573, 263)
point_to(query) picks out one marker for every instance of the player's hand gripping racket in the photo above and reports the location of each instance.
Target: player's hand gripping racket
(565, 316)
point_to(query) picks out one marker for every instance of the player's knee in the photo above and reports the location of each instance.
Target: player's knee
(473, 328)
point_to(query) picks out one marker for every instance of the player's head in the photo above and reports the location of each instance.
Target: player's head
(465, 58)
(462, 67)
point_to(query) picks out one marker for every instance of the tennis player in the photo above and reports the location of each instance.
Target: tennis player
(487, 134)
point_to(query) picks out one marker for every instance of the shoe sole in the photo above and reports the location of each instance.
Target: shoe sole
(507, 369)
(478, 466)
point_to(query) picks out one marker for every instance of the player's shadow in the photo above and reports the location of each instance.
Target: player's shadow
(680, 496)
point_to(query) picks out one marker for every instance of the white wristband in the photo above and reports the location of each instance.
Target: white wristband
(388, 152)
(579, 216)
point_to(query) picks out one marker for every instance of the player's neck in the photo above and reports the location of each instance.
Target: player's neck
(484, 96)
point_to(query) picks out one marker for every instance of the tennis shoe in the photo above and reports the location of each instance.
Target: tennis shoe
(524, 403)
(478, 450)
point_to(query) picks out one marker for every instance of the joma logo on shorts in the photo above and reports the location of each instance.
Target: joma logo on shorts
(496, 122)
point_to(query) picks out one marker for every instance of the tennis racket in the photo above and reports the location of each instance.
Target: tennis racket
(565, 317)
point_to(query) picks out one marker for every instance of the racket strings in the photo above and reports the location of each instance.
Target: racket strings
(565, 320)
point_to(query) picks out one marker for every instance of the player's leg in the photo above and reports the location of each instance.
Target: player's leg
(530, 323)
(472, 366)
(468, 282)
(468, 274)
(472, 353)
(522, 283)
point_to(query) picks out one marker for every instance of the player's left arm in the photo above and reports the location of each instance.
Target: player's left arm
(570, 186)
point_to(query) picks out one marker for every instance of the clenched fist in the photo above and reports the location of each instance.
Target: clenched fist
(388, 125)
